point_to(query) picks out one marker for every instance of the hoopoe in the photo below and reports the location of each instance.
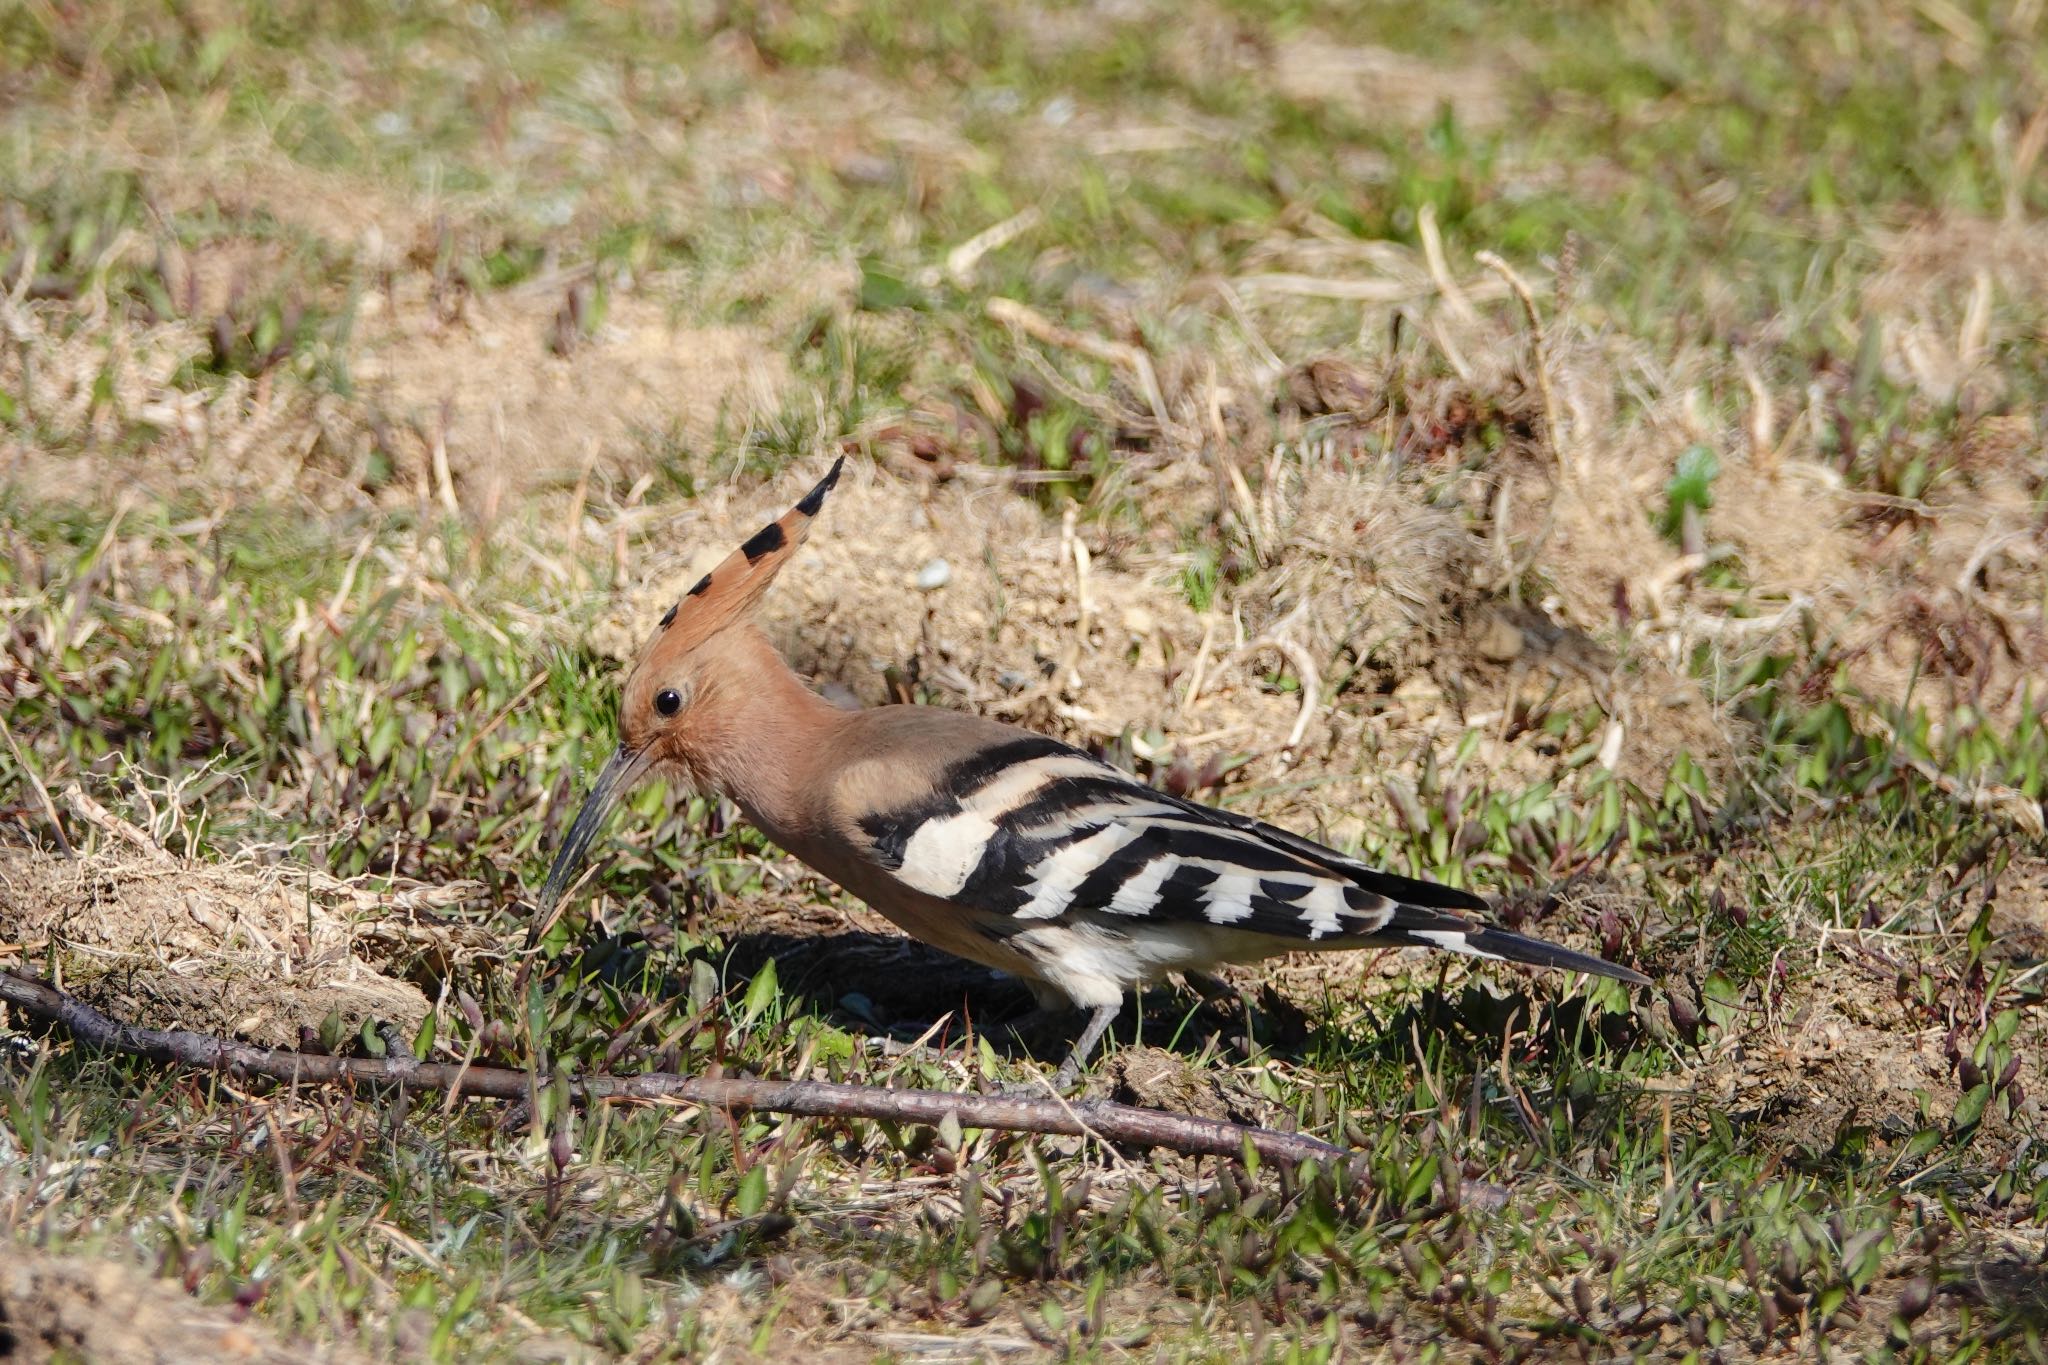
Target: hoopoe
(991, 842)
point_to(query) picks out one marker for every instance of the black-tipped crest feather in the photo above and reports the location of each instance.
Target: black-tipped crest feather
(743, 575)
(815, 499)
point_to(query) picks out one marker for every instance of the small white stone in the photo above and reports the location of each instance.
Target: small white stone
(934, 575)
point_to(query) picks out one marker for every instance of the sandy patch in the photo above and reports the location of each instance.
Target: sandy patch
(1382, 85)
(516, 393)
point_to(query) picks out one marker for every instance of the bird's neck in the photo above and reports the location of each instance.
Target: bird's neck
(764, 736)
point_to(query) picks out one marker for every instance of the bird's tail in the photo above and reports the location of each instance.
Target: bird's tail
(1422, 927)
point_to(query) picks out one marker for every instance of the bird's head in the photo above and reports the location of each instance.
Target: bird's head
(669, 707)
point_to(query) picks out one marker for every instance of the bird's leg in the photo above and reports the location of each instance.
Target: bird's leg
(1098, 1024)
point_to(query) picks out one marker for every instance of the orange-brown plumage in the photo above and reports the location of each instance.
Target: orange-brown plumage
(703, 617)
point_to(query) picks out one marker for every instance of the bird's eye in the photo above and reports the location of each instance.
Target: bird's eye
(668, 701)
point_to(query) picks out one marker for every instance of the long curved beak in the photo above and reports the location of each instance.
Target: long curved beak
(620, 772)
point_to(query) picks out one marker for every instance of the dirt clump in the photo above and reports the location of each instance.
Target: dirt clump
(239, 949)
(1377, 601)
(63, 1308)
(1156, 1078)
(1834, 1060)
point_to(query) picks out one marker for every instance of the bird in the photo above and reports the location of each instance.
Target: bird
(991, 842)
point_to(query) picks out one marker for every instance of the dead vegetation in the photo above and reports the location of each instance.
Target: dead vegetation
(545, 383)
(1254, 470)
(55, 1309)
(257, 948)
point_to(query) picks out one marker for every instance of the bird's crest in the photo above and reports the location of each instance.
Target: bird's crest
(730, 591)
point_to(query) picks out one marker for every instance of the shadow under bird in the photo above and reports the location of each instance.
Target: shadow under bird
(991, 842)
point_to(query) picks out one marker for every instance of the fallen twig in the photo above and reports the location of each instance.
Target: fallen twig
(104, 820)
(1120, 1123)
(962, 259)
(1440, 267)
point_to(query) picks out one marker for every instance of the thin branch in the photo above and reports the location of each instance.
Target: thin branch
(104, 820)
(962, 259)
(1121, 1123)
(1440, 267)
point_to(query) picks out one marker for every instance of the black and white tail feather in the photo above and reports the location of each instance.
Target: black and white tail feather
(1035, 832)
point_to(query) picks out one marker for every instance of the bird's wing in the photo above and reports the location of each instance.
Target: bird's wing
(1036, 830)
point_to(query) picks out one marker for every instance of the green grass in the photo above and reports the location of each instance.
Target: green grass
(386, 692)
(1735, 193)
(649, 1209)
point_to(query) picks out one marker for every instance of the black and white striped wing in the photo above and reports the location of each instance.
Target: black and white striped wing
(1038, 831)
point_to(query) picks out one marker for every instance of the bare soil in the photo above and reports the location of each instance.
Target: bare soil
(106, 1311)
(1086, 634)
(1835, 1056)
(535, 385)
(258, 953)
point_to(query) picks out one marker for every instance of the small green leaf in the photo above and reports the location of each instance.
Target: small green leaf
(882, 287)
(1722, 1000)
(1691, 485)
(1919, 1145)
(332, 1029)
(703, 984)
(214, 53)
(752, 1195)
(1970, 1108)
(761, 992)
(1420, 1177)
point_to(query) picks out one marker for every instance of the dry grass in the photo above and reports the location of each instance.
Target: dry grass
(1300, 411)
(62, 1308)
(259, 947)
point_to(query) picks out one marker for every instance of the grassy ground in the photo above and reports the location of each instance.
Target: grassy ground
(370, 379)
